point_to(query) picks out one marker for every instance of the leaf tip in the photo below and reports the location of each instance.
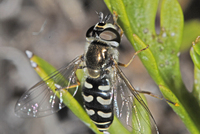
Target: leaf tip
(34, 64)
(29, 54)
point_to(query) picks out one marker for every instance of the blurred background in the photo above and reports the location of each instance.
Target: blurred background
(55, 31)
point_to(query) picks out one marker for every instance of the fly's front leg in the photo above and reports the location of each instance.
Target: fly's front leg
(115, 17)
(126, 65)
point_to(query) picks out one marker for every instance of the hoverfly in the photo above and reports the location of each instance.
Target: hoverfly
(105, 89)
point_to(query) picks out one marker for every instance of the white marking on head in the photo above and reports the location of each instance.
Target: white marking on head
(89, 39)
(88, 98)
(104, 115)
(114, 43)
(33, 64)
(109, 25)
(29, 54)
(104, 101)
(88, 85)
(90, 112)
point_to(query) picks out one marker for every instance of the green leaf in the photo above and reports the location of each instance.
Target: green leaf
(196, 88)
(116, 127)
(172, 27)
(180, 109)
(132, 18)
(195, 55)
(161, 59)
(190, 32)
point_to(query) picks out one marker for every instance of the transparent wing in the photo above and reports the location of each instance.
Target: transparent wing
(45, 97)
(130, 107)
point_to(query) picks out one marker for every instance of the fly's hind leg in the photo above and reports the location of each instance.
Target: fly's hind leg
(158, 97)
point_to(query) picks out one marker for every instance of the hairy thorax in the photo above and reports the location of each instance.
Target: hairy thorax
(98, 58)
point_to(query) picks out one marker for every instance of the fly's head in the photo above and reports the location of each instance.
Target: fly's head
(104, 32)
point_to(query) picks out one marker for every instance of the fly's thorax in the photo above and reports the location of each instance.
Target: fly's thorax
(98, 58)
(97, 55)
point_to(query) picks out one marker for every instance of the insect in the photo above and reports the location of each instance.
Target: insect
(105, 89)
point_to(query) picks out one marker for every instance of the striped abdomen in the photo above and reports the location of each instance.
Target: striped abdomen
(98, 101)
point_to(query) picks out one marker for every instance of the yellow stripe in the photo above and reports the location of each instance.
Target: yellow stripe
(102, 123)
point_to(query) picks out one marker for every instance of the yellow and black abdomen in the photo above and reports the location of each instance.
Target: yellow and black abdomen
(98, 101)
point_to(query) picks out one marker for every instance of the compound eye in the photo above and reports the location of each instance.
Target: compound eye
(90, 32)
(108, 35)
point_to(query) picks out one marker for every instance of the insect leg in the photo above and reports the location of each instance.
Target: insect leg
(70, 87)
(158, 97)
(115, 17)
(73, 75)
(125, 65)
(77, 80)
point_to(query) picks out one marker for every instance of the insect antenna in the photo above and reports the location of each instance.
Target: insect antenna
(107, 17)
(100, 17)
